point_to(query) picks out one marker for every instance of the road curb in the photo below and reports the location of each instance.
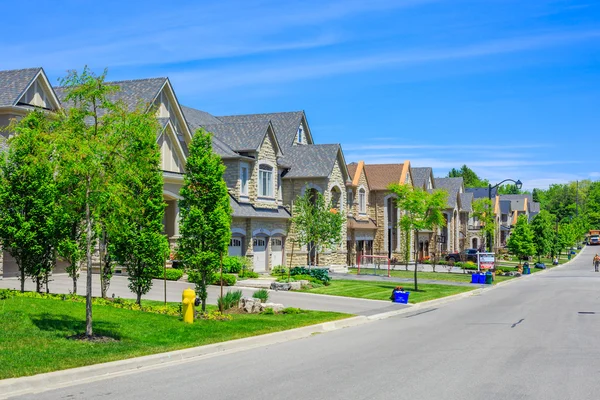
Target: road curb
(57, 379)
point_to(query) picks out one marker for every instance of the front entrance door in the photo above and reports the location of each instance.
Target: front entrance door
(235, 246)
(259, 245)
(276, 251)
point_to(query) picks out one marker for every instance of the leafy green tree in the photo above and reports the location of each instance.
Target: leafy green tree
(520, 241)
(593, 205)
(509, 189)
(421, 210)
(205, 213)
(482, 210)
(134, 224)
(29, 212)
(543, 233)
(315, 223)
(470, 178)
(85, 149)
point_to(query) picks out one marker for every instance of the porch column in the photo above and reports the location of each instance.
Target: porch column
(176, 219)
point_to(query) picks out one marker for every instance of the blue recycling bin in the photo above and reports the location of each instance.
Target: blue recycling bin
(475, 278)
(401, 297)
(482, 279)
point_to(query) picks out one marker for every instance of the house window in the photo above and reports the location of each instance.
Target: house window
(259, 243)
(244, 179)
(350, 199)
(235, 242)
(362, 201)
(265, 180)
(300, 134)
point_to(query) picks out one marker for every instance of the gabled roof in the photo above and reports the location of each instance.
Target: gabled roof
(466, 201)
(241, 137)
(13, 84)
(249, 211)
(481, 193)
(132, 92)
(420, 176)
(286, 124)
(352, 167)
(380, 176)
(505, 207)
(452, 186)
(354, 172)
(222, 150)
(197, 118)
(312, 161)
(534, 207)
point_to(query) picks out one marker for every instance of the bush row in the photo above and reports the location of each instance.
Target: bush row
(171, 273)
(322, 274)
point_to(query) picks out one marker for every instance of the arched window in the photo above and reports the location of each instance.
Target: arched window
(336, 195)
(265, 180)
(362, 201)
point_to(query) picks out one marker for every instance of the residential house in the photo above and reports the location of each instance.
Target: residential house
(451, 234)
(428, 239)
(361, 227)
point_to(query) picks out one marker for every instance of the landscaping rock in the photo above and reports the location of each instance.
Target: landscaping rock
(295, 285)
(276, 307)
(280, 286)
(517, 274)
(250, 305)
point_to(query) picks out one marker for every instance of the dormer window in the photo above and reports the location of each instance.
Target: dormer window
(362, 201)
(299, 140)
(265, 180)
(244, 179)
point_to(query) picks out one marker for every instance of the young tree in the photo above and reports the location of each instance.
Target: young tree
(134, 216)
(86, 148)
(421, 210)
(28, 198)
(205, 213)
(543, 233)
(316, 224)
(482, 210)
(520, 241)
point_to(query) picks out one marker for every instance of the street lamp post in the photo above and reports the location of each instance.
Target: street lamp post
(517, 183)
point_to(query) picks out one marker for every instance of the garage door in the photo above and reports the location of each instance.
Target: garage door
(276, 251)
(259, 245)
(235, 246)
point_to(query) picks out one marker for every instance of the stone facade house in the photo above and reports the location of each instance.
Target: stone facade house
(389, 240)
(361, 226)
(428, 246)
(451, 233)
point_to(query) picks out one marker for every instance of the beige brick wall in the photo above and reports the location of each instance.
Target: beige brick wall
(266, 154)
(232, 177)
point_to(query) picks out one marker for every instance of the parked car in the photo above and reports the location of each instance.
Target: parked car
(465, 255)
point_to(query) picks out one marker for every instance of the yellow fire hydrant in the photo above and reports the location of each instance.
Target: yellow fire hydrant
(188, 300)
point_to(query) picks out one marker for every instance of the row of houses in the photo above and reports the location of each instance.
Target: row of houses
(270, 160)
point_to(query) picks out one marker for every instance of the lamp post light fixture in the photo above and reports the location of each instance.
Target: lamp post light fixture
(517, 183)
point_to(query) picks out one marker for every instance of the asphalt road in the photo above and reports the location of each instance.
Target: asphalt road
(535, 338)
(61, 283)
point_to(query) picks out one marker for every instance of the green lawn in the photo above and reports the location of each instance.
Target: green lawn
(374, 290)
(439, 276)
(34, 331)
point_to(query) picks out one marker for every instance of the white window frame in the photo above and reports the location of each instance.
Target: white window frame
(269, 184)
(362, 201)
(246, 167)
(299, 134)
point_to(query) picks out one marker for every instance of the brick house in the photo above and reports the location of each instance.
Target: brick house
(362, 227)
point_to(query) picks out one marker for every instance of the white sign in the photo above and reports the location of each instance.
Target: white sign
(486, 260)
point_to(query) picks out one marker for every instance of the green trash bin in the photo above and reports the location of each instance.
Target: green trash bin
(488, 278)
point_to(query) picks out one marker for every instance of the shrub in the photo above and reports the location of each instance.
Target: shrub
(233, 264)
(268, 311)
(248, 274)
(228, 280)
(292, 310)
(279, 270)
(216, 316)
(229, 300)
(322, 274)
(262, 295)
(172, 274)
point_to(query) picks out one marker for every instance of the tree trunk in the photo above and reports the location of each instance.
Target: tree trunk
(47, 279)
(138, 297)
(22, 279)
(291, 261)
(416, 258)
(38, 284)
(88, 254)
(74, 277)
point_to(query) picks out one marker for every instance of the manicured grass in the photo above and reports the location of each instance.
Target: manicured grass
(374, 290)
(34, 331)
(438, 276)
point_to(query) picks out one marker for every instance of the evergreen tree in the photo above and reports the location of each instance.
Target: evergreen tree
(470, 178)
(520, 241)
(205, 213)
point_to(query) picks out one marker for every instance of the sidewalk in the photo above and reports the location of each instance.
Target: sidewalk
(62, 283)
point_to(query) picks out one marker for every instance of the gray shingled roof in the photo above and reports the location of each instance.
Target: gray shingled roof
(505, 207)
(466, 201)
(241, 136)
(481, 193)
(197, 118)
(452, 186)
(311, 161)
(249, 211)
(132, 92)
(285, 124)
(534, 207)
(13, 84)
(222, 150)
(420, 176)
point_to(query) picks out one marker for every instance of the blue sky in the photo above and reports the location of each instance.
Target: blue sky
(511, 88)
